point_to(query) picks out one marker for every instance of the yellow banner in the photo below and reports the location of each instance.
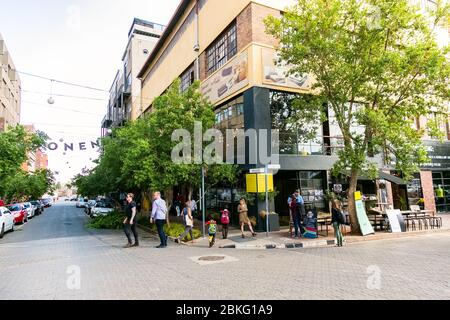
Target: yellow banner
(256, 183)
(358, 196)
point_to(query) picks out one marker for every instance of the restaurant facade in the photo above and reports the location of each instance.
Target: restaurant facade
(225, 46)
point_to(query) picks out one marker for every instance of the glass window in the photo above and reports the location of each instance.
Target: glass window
(222, 50)
(187, 78)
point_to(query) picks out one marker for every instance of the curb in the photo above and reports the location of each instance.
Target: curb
(315, 244)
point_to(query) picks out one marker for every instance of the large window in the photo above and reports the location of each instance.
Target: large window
(231, 115)
(441, 184)
(187, 78)
(222, 50)
(292, 136)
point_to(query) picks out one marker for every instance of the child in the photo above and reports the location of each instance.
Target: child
(212, 230)
(225, 220)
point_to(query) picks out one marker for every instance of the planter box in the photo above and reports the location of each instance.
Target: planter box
(274, 223)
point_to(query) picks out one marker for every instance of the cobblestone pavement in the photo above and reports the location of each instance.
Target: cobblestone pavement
(43, 259)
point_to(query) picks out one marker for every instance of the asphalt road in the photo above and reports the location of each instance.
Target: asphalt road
(55, 257)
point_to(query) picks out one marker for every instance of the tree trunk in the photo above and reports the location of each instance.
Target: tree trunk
(169, 199)
(356, 230)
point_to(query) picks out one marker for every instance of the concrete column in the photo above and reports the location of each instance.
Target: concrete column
(426, 179)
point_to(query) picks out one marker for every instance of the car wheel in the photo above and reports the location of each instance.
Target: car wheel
(12, 228)
(2, 233)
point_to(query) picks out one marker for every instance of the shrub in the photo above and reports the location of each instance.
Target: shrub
(175, 229)
(113, 220)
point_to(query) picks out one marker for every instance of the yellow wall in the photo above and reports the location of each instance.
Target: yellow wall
(214, 17)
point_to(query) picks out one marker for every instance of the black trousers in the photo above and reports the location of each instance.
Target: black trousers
(225, 231)
(128, 228)
(162, 236)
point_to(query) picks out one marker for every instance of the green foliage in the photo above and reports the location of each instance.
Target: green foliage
(113, 220)
(139, 155)
(376, 71)
(15, 184)
(175, 229)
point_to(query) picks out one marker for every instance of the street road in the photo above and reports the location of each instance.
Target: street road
(55, 257)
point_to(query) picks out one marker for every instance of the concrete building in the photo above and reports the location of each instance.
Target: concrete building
(227, 49)
(10, 89)
(125, 94)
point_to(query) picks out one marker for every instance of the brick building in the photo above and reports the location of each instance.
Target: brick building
(227, 49)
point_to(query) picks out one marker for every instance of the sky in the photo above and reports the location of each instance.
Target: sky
(77, 41)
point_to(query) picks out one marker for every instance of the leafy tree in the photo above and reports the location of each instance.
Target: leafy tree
(15, 143)
(377, 66)
(138, 156)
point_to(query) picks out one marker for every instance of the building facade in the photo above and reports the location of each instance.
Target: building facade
(227, 49)
(10, 89)
(125, 94)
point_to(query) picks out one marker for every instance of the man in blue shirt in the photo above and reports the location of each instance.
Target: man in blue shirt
(297, 207)
(159, 216)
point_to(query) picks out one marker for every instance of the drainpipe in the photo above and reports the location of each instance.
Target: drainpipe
(197, 44)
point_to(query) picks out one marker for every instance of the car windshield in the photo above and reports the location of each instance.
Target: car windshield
(26, 205)
(34, 202)
(15, 208)
(104, 205)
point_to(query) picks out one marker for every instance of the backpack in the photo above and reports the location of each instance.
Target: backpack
(212, 228)
(341, 217)
(225, 219)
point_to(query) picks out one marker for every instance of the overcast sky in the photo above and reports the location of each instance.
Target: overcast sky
(79, 41)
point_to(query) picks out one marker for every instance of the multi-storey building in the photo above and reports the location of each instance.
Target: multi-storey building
(10, 90)
(125, 94)
(225, 46)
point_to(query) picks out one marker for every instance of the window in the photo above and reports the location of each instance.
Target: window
(231, 115)
(222, 50)
(187, 78)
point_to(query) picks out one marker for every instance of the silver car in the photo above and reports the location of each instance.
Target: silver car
(101, 209)
(29, 208)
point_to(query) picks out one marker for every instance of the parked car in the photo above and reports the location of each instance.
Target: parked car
(88, 207)
(101, 209)
(80, 203)
(29, 208)
(38, 207)
(6, 221)
(19, 212)
(47, 202)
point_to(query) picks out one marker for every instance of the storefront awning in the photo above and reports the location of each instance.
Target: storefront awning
(391, 178)
(382, 175)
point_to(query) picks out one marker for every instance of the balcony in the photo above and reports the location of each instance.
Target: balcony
(291, 144)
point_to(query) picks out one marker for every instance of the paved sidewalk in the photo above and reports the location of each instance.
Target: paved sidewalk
(282, 239)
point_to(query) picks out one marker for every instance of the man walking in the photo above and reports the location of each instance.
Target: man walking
(129, 225)
(159, 214)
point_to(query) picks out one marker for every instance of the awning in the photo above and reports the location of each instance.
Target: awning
(382, 175)
(391, 178)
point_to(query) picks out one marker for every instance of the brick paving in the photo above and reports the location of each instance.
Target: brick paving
(34, 264)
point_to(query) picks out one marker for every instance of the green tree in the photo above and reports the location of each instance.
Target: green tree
(15, 144)
(376, 65)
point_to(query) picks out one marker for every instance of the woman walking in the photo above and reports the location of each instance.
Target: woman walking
(243, 217)
(337, 221)
(188, 222)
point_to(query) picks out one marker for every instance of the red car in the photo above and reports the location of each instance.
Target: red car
(19, 212)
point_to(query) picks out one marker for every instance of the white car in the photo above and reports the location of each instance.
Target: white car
(29, 208)
(81, 203)
(6, 221)
(101, 209)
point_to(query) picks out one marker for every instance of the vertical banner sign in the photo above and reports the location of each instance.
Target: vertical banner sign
(364, 223)
(393, 220)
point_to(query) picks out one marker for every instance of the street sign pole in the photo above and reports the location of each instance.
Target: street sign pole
(203, 203)
(267, 201)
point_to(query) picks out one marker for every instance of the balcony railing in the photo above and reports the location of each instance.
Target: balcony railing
(291, 144)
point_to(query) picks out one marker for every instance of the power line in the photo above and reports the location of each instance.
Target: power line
(62, 82)
(65, 109)
(66, 125)
(64, 95)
